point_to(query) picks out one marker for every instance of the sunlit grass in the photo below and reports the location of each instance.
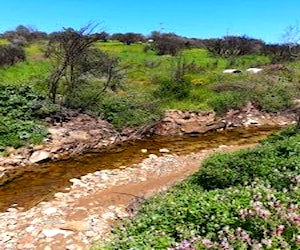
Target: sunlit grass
(28, 72)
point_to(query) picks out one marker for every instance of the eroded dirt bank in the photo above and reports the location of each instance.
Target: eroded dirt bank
(85, 214)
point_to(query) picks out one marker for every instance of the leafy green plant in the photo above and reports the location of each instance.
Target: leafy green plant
(228, 100)
(19, 107)
(128, 111)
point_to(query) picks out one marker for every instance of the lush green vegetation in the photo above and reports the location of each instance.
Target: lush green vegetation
(20, 108)
(132, 85)
(243, 200)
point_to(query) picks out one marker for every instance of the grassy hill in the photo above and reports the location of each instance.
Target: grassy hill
(193, 80)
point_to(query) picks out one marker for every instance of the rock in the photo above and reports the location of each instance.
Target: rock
(152, 156)
(108, 216)
(74, 180)
(49, 210)
(12, 210)
(59, 195)
(5, 237)
(29, 229)
(80, 135)
(164, 150)
(251, 122)
(39, 156)
(75, 226)
(55, 231)
(144, 150)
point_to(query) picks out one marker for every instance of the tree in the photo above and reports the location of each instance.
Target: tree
(76, 61)
(167, 43)
(128, 38)
(11, 54)
(232, 46)
(25, 34)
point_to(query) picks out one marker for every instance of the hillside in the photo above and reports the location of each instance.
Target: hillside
(143, 85)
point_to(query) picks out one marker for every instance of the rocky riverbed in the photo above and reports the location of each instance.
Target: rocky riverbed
(84, 214)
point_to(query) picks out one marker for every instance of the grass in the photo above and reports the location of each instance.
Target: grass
(243, 200)
(150, 79)
(29, 72)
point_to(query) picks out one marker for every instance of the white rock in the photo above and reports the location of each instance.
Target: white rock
(38, 156)
(144, 150)
(153, 156)
(164, 150)
(104, 177)
(49, 210)
(251, 122)
(59, 195)
(108, 215)
(29, 229)
(74, 180)
(55, 231)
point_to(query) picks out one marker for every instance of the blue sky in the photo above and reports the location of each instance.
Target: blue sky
(263, 19)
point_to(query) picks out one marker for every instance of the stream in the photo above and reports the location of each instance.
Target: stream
(40, 182)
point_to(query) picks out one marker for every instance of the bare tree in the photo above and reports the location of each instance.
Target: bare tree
(232, 46)
(76, 61)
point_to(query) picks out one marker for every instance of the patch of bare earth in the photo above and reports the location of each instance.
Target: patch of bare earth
(87, 211)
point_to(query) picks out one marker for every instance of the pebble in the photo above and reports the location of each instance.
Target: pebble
(108, 215)
(152, 156)
(164, 150)
(50, 210)
(53, 232)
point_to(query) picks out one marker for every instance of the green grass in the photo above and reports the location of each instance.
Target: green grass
(151, 77)
(28, 72)
(236, 201)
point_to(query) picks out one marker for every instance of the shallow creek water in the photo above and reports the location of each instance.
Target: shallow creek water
(39, 183)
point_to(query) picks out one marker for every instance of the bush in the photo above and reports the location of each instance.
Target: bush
(228, 100)
(273, 163)
(169, 89)
(272, 97)
(19, 107)
(128, 111)
(233, 218)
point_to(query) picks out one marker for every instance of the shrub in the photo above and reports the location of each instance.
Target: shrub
(233, 218)
(273, 163)
(170, 89)
(128, 111)
(272, 97)
(11, 54)
(19, 107)
(227, 100)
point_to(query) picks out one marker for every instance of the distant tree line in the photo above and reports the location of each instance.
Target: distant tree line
(161, 43)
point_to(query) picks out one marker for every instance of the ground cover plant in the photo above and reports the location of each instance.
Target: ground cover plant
(20, 108)
(243, 200)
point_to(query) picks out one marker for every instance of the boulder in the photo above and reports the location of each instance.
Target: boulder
(40, 155)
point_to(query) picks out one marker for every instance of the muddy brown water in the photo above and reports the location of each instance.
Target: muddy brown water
(40, 182)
